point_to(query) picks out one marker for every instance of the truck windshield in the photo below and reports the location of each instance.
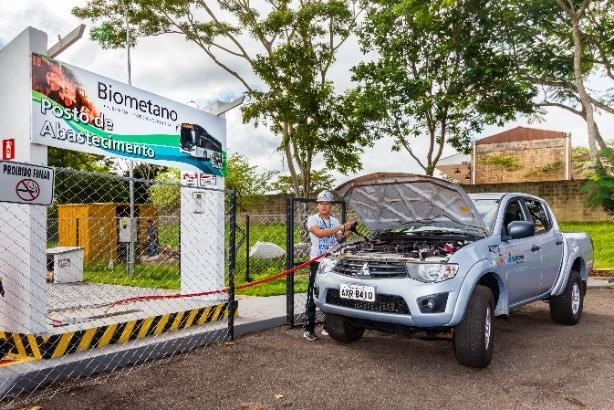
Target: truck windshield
(488, 211)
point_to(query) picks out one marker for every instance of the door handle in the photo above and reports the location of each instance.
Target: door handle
(559, 242)
(535, 248)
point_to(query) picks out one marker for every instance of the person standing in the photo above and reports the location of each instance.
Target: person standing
(324, 232)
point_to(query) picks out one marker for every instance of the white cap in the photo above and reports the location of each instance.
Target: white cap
(325, 196)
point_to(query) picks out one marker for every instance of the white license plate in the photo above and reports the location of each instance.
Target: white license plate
(357, 292)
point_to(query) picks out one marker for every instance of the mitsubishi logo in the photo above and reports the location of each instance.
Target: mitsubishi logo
(364, 271)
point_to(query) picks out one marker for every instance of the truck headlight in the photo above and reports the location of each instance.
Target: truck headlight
(326, 265)
(431, 272)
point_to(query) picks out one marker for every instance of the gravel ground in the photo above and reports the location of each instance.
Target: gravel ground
(536, 365)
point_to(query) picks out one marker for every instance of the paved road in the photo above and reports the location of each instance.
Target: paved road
(536, 365)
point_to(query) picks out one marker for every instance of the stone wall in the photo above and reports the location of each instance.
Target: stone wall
(565, 197)
(538, 160)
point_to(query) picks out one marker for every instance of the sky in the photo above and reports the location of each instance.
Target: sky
(173, 68)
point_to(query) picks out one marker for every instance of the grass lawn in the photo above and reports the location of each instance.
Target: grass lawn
(167, 276)
(602, 234)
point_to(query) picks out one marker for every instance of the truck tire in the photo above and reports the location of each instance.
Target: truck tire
(474, 336)
(566, 309)
(340, 330)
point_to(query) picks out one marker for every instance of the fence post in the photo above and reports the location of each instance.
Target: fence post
(344, 211)
(232, 250)
(247, 279)
(290, 261)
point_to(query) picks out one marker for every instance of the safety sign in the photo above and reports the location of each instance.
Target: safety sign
(26, 183)
(8, 148)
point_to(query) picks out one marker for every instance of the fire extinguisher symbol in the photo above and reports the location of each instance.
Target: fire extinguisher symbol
(8, 149)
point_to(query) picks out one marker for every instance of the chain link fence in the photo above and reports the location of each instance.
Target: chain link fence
(92, 276)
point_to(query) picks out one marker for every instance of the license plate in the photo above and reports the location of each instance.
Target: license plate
(357, 292)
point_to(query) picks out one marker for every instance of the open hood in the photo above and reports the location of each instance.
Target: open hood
(387, 200)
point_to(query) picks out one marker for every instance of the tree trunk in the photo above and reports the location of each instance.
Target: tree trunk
(584, 97)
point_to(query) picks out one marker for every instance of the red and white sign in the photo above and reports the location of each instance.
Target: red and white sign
(26, 183)
(206, 179)
(189, 178)
(27, 190)
(8, 149)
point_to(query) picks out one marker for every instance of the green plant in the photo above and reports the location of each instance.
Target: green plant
(509, 163)
(544, 169)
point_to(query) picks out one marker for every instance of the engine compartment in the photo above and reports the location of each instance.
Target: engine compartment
(402, 247)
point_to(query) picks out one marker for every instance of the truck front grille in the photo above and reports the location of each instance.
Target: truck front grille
(383, 303)
(375, 269)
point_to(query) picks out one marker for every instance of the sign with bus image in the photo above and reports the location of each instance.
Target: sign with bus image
(82, 111)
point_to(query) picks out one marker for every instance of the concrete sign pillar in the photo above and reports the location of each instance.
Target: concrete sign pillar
(202, 241)
(23, 228)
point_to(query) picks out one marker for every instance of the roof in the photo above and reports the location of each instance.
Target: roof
(522, 134)
(454, 159)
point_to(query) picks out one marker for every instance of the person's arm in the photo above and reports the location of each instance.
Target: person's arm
(324, 232)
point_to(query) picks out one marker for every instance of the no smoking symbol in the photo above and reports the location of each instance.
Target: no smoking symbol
(28, 190)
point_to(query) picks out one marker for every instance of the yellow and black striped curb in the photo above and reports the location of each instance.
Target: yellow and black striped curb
(49, 347)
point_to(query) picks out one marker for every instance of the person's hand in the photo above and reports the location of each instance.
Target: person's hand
(347, 226)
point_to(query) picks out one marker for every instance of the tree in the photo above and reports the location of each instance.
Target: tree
(440, 74)
(319, 180)
(561, 43)
(83, 161)
(245, 179)
(166, 194)
(296, 46)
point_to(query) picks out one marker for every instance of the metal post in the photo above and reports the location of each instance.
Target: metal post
(232, 250)
(247, 279)
(344, 211)
(290, 261)
(131, 258)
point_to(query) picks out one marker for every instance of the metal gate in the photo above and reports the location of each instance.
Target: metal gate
(298, 246)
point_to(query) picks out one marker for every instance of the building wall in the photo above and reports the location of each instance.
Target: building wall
(539, 160)
(565, 197)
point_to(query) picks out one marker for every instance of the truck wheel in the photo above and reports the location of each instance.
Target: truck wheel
(340, 330)
(474, 336)
(566, 309)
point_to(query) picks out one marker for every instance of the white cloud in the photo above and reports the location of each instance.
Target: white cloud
(171, 67)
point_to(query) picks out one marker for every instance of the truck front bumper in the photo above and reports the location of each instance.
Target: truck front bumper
(396, 301)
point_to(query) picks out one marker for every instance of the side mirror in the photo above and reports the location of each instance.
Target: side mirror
(520, 229)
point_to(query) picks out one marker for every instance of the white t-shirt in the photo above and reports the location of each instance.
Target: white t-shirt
(321, 245)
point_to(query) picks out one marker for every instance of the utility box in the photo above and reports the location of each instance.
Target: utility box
(127, 230)
(66, 263)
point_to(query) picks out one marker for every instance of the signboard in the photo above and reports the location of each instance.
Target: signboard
(26, 183)
(8, 149)
(198, 179)
(82, 111)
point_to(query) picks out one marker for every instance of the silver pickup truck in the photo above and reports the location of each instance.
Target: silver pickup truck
(439, 260)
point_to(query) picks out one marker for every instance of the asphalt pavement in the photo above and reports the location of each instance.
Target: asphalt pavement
(536, 364)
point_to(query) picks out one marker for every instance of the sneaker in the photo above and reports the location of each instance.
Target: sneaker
(310, 335)
(324, 332)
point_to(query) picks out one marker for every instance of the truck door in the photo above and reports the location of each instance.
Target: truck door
(549, 240)
(520, 258)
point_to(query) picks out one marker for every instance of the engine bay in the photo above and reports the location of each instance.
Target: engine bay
(422, 249)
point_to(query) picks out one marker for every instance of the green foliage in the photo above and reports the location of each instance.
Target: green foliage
(600, 187)
(320, 180)
(509, 163)
(82, 161)
(601, 234)
(297, 43)
(544, 169)
(166, 196)
(245, 179)
(440, 74)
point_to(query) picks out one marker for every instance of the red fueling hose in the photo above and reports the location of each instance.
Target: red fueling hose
(214, 292)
